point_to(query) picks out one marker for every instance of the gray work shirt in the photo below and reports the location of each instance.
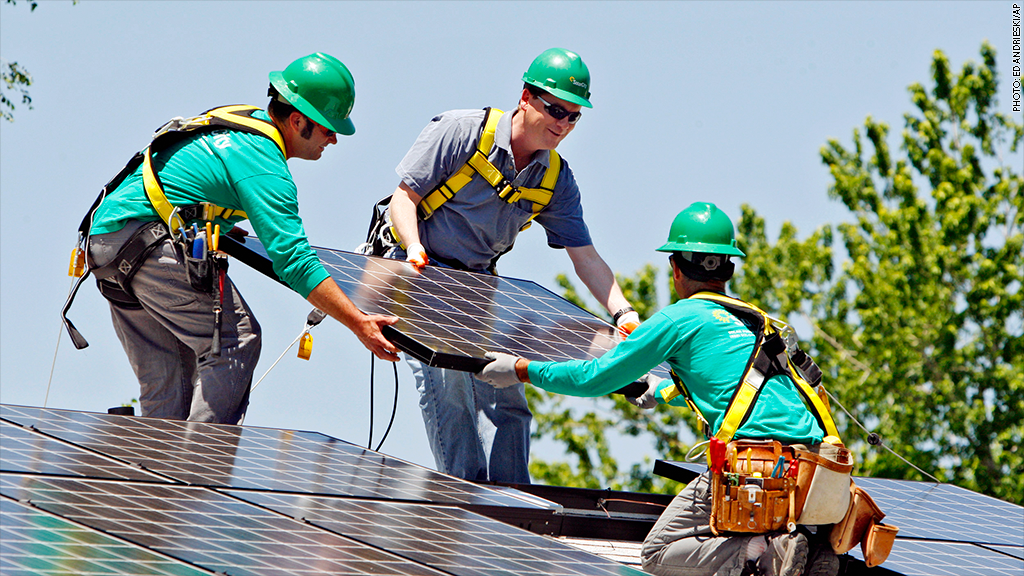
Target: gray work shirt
(475, 225)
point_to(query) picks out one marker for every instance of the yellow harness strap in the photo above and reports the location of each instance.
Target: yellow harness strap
(237, 117)
(742, 402)
(478, 163)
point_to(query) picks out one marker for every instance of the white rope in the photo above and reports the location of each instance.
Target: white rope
(297, 338)
(53, 365)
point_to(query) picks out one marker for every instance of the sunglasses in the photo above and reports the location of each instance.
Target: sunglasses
(557, 112)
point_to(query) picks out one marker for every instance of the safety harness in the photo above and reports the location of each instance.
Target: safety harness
(383, 234)
(136, 249)
(770, 357)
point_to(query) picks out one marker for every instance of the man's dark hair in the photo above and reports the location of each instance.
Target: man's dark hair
(721, 268)
(281, 111)
(278, 108)
(534, 90)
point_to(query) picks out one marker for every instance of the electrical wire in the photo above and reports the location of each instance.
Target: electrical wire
(394, 407)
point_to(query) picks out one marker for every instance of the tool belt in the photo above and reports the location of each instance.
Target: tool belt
(767, 486)
(862, 524)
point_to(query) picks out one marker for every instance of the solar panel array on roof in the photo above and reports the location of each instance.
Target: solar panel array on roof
(99, 494)
(944, 529)
(450, 318)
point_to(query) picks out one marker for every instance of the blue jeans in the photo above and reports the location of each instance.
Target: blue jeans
(168, 340)
(475, 431)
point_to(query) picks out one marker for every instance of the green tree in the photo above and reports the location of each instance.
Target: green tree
(919, 331)
(16, 80)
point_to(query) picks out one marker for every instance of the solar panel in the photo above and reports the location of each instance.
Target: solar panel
(259, 458)
(450, 539)
(35, 543)
(946, 512)
(27, 451)
(930, 557)
(450, 318)
(206, 528)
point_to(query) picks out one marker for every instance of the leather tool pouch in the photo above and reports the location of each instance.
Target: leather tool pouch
(862, 525)
(754, 496)
(745, 498)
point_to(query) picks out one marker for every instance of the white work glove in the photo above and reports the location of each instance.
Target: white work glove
(500, 372)
(648, 399)
(627, 322)
(416, 255)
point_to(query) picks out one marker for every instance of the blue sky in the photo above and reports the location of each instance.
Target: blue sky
(727, 102)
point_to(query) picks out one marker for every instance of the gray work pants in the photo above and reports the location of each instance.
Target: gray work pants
(168, 341)
(681, 542)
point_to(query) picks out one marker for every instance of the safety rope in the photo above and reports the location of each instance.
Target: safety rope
(60, 334)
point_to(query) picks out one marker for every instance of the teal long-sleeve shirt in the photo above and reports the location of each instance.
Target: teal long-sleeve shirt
(708, 349)
(234, 170)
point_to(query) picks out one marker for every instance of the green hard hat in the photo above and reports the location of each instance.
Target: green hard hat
(322, 88)
(561, 73)
(702, 228)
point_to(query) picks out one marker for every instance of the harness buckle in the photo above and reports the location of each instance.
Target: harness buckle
(509, 193)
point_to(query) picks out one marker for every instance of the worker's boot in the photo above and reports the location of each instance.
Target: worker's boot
(786, 555)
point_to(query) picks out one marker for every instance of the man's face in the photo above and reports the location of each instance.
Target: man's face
(312, 139)
(542, 130)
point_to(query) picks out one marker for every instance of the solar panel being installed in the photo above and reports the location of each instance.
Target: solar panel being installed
(450, 318)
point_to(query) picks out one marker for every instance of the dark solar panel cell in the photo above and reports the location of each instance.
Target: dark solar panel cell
(236, 542)
(449, 539)
(259, 458)
(943, 558)
(39, 544)
(27, 451)
(946, 512)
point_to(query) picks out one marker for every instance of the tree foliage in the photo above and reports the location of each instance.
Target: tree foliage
(16, 80)
(919, 331)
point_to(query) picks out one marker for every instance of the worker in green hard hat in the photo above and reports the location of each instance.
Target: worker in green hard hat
(709, 340)
(151, 238)
(472, 181)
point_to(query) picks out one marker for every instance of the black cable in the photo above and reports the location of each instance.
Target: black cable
(394, 409)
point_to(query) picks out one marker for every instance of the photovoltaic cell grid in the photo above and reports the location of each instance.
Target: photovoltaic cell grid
(943, 558)
(946, 512)
(255, 458)
(35, 543)
(450, 318)
(27, 451)
(450, 539)
(206, 528)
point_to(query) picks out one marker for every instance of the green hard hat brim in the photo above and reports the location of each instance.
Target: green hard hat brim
(340, 125)
(558, 92)
(701, 247)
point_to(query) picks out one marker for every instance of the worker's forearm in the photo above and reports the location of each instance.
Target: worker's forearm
(403, 214)
(328, 297)
(598, 277)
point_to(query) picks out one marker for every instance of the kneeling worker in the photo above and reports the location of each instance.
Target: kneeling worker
(708, 348)
(190, 337)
